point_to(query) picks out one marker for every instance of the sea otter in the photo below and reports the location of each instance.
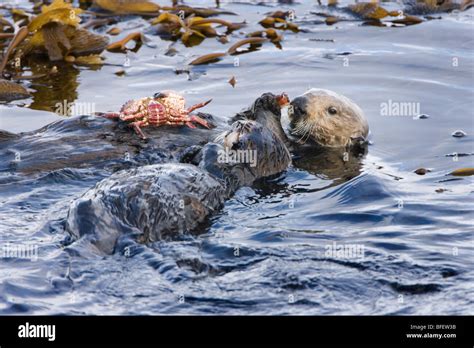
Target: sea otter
(150, 173)
(327, 119)
(328, 135)
(162, 201)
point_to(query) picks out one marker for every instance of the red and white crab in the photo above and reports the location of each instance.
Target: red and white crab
(164, 108)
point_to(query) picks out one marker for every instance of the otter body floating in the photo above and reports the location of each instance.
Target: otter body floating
(163, 201)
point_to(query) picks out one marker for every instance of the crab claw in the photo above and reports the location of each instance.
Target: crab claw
(198, 106)
(109, 115)
(283, 99)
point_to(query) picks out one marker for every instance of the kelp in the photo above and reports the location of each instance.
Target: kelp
(232, 81)
(84, 43)
(269, 33)
(371, 10)
(127, 7)
(10, 91)
(196, 11)
(6, 36)
(462, 172)
(252, 41)
(407, 20)
(208, 58)
(58, 12)
(279, 23)
(114, 31)
(56, 32)
(192, 30)
(58, 41)
(198, 23)
(20, 35)
(424, 7)
(99, 22)
(120, 45)
(233, 50)
(93, 59)
(286, 15)
(421, 171)
(373, 14)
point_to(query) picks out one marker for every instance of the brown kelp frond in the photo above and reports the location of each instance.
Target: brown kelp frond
(250, 41)
(56, 32)
(128, 7)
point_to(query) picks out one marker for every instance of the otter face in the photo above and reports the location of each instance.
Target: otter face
(326, 118)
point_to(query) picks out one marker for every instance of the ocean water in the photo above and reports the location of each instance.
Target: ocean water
(275, 247)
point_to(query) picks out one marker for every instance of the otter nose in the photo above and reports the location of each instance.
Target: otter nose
(298, 107)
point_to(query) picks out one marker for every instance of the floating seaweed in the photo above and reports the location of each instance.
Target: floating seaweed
(372, 11)
(114, 31)
(120, 46)
(128, 7)
(269, 33)
(279, 23)
(372, 14)
(10, 91)
(425, 7)
(196, 11)
(192, 30)
(18, 37)
(422, 171)
(208, 58)
(232, 81)
(56, 32)
(462, 172)
(252, 41)
(233, 50)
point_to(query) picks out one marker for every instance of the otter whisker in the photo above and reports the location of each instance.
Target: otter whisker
(220, 138)
(304, 129)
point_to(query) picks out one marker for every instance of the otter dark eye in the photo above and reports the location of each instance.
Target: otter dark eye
(332, 110)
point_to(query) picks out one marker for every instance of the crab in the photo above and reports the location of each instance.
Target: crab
(164, 108)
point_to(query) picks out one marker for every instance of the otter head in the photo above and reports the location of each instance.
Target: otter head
(245, 153)
(268, 152)
(327, 118)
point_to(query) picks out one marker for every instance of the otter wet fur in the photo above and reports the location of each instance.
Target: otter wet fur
(152, 196)
(327, 119)
(164, 201)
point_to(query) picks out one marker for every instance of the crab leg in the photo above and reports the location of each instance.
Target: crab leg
(136, 126)
(111, 115)
(198, 106)
(131, 117)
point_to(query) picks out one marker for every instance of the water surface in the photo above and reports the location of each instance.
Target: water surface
(266, 251)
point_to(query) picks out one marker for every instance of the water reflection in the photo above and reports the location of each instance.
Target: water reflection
(53, 88)
(338, 165)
